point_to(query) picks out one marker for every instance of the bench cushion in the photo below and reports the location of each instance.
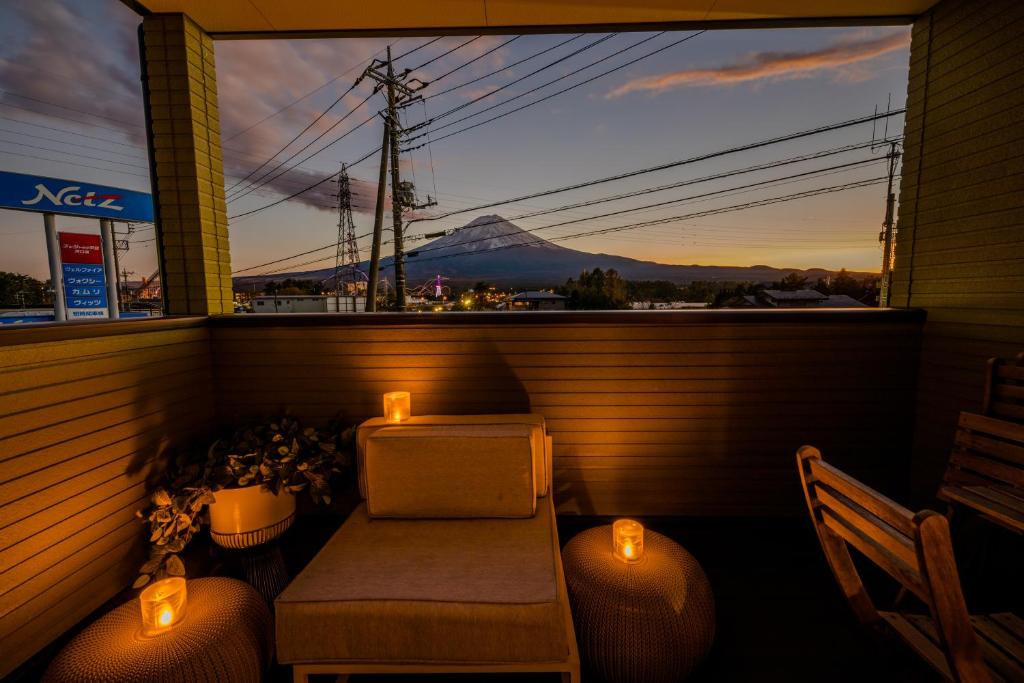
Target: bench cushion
(450, 472)
(386, 590)
(541, 442)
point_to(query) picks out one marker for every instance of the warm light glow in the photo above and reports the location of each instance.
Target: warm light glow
(628, 540)
(397, 406)
(163, 605)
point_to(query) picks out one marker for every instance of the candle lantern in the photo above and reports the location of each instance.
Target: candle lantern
(163, 605)
(628, 540)
(397, 406)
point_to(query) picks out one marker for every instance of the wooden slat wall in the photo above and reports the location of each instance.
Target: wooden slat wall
(960, 248)
(83, 409)
(651, 413)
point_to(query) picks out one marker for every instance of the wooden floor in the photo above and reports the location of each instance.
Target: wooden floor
(780, 617)
(779, 614)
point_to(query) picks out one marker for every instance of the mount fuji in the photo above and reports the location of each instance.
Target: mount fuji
(492, 249)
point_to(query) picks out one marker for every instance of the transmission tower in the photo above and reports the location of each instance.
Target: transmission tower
(346, 258)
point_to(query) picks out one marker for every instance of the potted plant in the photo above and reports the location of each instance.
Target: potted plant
(256, 472)
(174, 514)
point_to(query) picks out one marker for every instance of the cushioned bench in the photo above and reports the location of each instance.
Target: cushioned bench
(452, 563)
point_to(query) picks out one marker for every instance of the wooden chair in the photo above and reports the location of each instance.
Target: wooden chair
(1004, 389)
(986, 470)
(915, 550)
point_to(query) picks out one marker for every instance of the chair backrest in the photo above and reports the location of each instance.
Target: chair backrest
(914, 549)
(1004, 388)
(987, 452)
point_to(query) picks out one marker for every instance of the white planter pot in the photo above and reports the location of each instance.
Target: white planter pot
(249, 516)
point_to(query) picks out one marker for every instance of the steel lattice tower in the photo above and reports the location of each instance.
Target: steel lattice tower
(346, 259)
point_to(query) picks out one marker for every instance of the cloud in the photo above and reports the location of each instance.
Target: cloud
(773, 65)
(73, 59)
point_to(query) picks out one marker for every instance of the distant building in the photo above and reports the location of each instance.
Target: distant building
(308, 303)
(667, 305)
(800, 298)
(536, 301)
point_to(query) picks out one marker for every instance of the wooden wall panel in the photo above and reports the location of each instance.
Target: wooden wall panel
(960, 246)
(651, 413)
(84, 410)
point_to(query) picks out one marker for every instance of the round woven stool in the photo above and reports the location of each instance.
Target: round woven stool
(225, 635)
(648, 622)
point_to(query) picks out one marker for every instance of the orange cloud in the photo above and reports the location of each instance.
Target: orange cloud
(769, 65)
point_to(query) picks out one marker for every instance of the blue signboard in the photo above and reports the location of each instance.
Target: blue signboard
(85, 287)
(73, 198)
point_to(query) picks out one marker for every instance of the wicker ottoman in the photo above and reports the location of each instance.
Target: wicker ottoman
(649, 622)
(224, 636)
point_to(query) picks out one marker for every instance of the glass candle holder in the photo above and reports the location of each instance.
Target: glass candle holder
(628, 540)
(163, 605)
(397, 406)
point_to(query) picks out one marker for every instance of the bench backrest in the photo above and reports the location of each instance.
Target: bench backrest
(914, 549)
(1004, 388)
(987, 452)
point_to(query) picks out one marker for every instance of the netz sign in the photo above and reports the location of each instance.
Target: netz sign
(73, 198)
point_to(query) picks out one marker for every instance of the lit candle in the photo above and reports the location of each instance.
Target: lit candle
(397, 406)
(163, 605)
(628, 540)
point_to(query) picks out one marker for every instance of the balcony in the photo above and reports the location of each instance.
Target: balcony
(685, 420)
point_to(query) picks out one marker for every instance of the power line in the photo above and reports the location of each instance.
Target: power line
(262, 180)
(309, 94)
(672, 219)
(305, 189)
(296, 137)
(415, 49)
(672, 164)
(684, 183)
(563, 90)
(445, 54)
(727, 191)
(474, 60)
(556, 62)
(23, 134)
(504, 68)
(745, 188)
(81, 156)
(74, 163)
(79, 111)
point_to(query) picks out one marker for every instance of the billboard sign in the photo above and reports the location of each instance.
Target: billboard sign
(73, 198)
(85, 285)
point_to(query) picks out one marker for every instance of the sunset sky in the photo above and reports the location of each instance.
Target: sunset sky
(71, 107)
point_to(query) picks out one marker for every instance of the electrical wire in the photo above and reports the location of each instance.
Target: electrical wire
(296, 137)
(306, 189)
(445, 54)
(672, 164)
(263, 180)
(560, 92)
(474, 60)
(504, 68)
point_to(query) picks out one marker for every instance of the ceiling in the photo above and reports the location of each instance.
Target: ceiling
(242, 18)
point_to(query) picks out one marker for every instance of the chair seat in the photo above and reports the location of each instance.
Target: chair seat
(1001, 504)
(1001, 637)
(419, 590)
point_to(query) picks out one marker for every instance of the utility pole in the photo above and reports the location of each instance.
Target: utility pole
(397, 90)
(378, 225)
(887, 236)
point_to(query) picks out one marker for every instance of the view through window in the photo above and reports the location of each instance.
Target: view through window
(646, 170)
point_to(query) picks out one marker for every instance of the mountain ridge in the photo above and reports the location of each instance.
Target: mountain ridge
(492, 249)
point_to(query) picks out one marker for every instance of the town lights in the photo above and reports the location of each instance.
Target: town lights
(163, 605)
(628, 540)
(397, 406)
